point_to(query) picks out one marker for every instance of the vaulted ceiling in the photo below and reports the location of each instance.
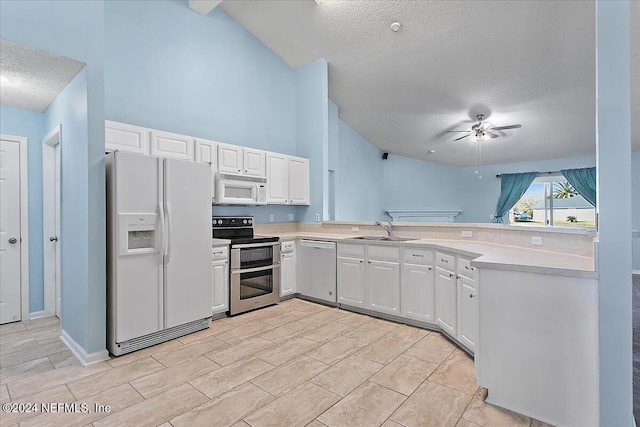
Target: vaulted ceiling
(528, 62)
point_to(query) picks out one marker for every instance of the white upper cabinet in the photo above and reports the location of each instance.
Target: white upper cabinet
(171, 145)
(277, 179)
(230, 159)
(298, 181)
(207, 152)
(124, 137)
(254, 162)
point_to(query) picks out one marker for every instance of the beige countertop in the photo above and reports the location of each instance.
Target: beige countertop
(485, 255)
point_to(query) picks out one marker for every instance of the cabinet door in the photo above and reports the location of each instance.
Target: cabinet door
(124, 137)
(229, 158)
(446, 300)
(468, 327)
(207, 152)
(417, 292)
(298, 181)
(351, 282)
(171, 145)
(220, 286)
(288, 269)
(383, 286)
(277, 179)
(254, 162)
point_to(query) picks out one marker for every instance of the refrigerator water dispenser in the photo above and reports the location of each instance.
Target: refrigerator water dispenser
(138, 233)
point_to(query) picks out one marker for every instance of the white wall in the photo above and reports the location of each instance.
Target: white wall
(635, 212)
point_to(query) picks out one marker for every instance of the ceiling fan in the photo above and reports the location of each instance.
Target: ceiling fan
(483, 131)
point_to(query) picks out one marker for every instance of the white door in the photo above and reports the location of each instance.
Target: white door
(229, 159)
(351, 281)
(383, 286)
(171, 145)
(417, 292)
(56, 239)
(278, 184)
(468, 312)
(288, 271)
(187, 268)
(254, 162)
(220, 286)
(207, 152)
(446, 300)
(10, 293)
(298, 181)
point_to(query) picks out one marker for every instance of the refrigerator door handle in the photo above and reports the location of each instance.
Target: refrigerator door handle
(167, 254)
(161, 212)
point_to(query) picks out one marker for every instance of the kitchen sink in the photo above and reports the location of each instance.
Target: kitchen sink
(384, 239)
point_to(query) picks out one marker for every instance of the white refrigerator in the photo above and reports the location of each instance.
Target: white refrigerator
(159, 278)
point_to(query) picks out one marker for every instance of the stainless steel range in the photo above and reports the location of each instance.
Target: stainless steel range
(255, 264)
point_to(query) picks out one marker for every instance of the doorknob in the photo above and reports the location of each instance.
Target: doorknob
(13, 240)
(53, 239)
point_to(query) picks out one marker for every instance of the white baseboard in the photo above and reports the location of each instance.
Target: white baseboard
(84, 358)
(36, 315)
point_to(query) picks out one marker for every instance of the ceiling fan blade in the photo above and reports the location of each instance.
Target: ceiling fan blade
(506, 127)
(492, 135)
(458, 139)
(458, 131)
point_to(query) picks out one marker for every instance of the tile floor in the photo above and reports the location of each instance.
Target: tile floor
(294, 364)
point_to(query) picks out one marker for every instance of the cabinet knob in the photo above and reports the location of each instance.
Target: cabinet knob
(444, 260)
(245, 171)
(450, 274)
(369, 262)
(429, 268)
(361, 261)
(470, 295)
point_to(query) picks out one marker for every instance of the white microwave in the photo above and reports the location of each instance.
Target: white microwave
(240, 190)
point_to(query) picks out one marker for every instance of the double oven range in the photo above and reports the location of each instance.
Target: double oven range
(255, 264)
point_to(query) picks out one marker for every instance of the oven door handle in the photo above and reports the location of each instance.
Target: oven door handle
(253, 270)
(255, 245)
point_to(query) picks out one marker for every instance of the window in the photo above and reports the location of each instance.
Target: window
(552, 200)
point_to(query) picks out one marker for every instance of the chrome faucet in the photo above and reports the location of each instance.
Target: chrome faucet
(387, 227)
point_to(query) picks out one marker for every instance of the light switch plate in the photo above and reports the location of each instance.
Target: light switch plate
(536, 240)
(467, 233)
(317, 217)
(271, 217)
(291, 217)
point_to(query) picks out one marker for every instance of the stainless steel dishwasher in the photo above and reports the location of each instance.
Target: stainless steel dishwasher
(317, 270)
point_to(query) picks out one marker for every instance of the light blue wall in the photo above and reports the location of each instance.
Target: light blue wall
(635, 209)
(481, 195)
(17, 122)
(204, 76)
(75, 29)
(69, 110)
(312, 133)
(418, 184)
(359, 185)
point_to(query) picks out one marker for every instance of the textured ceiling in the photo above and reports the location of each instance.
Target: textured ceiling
(528, 62)
(31, 78)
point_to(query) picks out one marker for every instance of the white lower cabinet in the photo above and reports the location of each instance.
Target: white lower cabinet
(446, 300)
(351, 281)
(383, 286)
(220, 265)
(288, 269)
(468, 312)
(417, 292)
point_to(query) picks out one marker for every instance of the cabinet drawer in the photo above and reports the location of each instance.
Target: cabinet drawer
(465, 269)
(418, 256)
(219, 253)
(383, 252)
(286, 247)
(354, 251)
(446, 261)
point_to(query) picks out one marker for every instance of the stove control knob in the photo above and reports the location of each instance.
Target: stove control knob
(244, 221)
(249, 221)
(220, 221)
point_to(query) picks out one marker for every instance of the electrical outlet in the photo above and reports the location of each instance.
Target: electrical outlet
(291, 217)
(271, 217)
(467, 233)
(317, 217)
(536, 240)
(355, 228)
